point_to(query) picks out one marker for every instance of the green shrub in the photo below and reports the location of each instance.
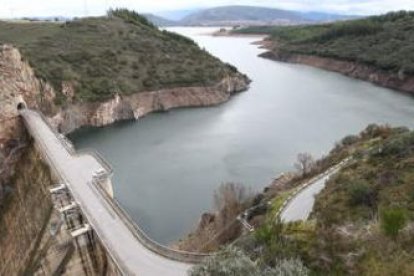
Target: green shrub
(400, 145)
(349, 140)
(234, 262)
(360, 193)
(230, 261)
(392, 221)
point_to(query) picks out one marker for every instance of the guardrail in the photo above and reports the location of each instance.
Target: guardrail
(67, 144)
(176, 255)
(139, 234)
(310, 182)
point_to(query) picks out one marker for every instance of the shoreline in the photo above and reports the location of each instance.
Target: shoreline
(138, 105)
(396, 81)
(229, 33)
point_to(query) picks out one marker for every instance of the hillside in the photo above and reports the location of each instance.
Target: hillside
(159, 20)
(366, 212)
(254, 15)
(241, 15)
(377, 48)
(362, 222)
(121, 53)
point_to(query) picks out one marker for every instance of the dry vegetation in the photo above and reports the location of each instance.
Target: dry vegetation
(220, 227)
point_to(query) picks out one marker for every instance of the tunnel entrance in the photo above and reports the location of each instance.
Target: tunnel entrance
(21, 106)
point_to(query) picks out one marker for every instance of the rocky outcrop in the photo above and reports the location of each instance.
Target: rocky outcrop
(17, 84)
(139, 104)
(398, 81)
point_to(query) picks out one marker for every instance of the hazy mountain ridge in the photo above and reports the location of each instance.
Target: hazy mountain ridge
(242, 15)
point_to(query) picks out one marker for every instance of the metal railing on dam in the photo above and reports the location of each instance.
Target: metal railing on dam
(131, 249)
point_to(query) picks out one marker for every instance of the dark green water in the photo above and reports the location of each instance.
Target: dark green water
(168, 165)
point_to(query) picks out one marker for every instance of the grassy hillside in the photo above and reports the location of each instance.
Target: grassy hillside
(362, 222)
(386, 42)
(121, 53)
(364, 217)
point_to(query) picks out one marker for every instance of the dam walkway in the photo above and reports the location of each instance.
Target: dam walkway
(131, 250)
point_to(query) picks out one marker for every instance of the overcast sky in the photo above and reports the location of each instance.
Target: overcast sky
(19, 8)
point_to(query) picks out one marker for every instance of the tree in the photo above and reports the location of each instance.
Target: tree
(230, 195)
(230, 200)
(304, 163)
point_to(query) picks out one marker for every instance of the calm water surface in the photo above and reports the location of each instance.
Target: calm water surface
(168, 165)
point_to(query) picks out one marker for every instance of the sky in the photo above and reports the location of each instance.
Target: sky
(21, 8)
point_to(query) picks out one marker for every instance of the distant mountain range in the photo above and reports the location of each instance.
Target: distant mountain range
(242, 15)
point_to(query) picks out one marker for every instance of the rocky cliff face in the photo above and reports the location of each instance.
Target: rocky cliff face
(397, 81)
(19, 83)
(24, 213)
(139, 104)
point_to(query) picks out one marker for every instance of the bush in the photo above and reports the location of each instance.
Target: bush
(349, 140)
(269, 232)
(360, 193)
(392, 221)
(305, 163)
(288, 267)
(400, 145)
(232, 261)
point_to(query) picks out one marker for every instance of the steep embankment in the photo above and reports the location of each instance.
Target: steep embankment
(121, 67)
(21, 225)
(376, 49)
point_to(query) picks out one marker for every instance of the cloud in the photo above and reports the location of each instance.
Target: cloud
(19, 8)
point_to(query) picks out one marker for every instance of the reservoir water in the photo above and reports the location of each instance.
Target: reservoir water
(167, 165)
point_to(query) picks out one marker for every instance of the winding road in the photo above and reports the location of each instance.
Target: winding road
(301, 205)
